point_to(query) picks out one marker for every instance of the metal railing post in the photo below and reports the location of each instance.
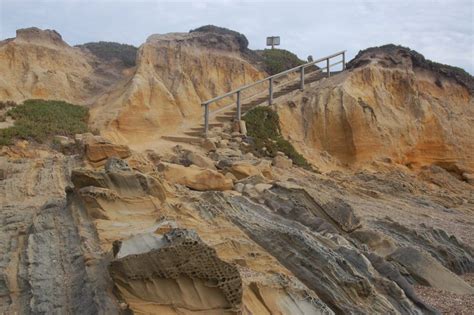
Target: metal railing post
(327, 67)
(206, 119)
(239, 111)
(270, 91)
(343, 60)
(302, 78)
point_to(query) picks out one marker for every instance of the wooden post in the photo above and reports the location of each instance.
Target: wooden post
(239, 111)
(327, 67)
(302, 78)
(206, 119)
(343, 60)
(270, 92)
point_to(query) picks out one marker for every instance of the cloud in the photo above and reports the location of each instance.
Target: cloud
(441, 30)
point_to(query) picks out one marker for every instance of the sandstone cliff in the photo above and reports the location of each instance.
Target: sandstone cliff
(175, 73)
(391, 104)
(39, 64)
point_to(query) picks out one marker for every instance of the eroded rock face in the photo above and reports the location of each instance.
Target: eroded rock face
(196, 178)
(386, 106)
(175, 73)
(179, 256)
(49, 261)
(98, 150)
(341, 275)
(39, 64)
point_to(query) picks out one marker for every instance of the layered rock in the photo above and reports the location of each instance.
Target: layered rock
(389, 105)
(175, 73)
(39, 64)
(178, 256)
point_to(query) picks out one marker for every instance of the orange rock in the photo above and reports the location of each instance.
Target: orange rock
(99, 152)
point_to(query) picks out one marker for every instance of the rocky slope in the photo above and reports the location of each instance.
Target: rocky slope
(214, 229)
(391, 105)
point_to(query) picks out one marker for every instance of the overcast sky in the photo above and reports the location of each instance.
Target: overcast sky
(443, 31)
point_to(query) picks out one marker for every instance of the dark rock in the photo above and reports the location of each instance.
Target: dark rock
(447, 249)
(426, 270)
(340, 275)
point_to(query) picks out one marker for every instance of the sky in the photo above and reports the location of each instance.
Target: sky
(442, 31)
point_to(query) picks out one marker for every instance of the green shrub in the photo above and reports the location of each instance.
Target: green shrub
(241, 39)
(39, 120)
(127, 54)
(263, 125)
(278, 60)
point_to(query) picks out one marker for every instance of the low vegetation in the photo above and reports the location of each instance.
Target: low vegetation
(241, 39)
(127, 54)
(263, 125)
(278, 60)
(39, 120)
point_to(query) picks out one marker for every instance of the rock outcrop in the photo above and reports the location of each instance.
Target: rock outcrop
(178, 256)
(195, 177)
(39, 64)
(175, 73)
(391, 104)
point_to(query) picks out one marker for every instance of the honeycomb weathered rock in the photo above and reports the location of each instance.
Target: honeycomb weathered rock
(177, 253)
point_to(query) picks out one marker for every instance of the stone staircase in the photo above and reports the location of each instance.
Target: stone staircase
(196, 134)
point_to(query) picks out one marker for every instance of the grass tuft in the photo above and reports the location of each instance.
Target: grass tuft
(263, 125)
(278, 60)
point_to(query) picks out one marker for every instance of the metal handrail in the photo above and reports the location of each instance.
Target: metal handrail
(299, 68)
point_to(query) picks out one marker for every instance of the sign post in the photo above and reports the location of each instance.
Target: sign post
(273, 41)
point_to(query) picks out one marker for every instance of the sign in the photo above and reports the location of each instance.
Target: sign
(273, 41)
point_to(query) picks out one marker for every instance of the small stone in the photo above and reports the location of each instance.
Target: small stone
(231, 176)
(249, 156)
(282, 162)
(209, 145)
(239, 187)
(235, 134)
(223, 143)
(225, 136)
(469, 178)
(260, 188)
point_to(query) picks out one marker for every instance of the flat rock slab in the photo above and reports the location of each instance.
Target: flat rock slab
(428, 271)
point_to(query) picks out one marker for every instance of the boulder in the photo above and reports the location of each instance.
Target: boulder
(99, 150)
(200, 160)
(244, 169)
(180, 257)
(196, 178)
